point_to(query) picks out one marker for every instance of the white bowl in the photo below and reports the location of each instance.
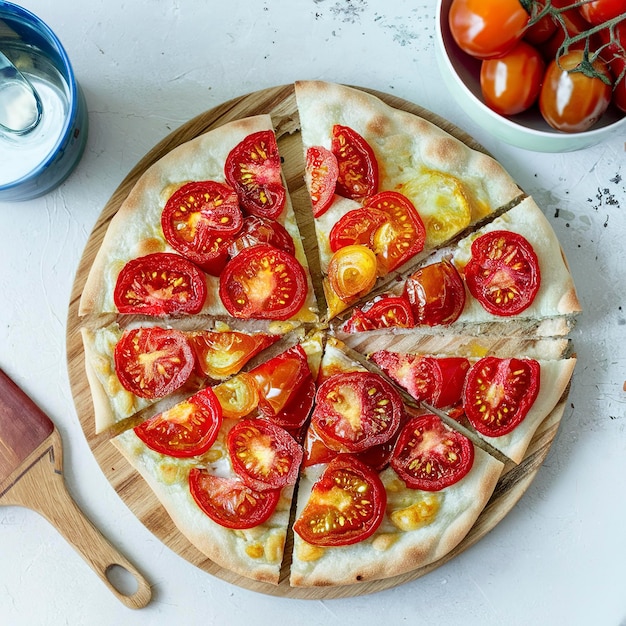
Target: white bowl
(528, 130)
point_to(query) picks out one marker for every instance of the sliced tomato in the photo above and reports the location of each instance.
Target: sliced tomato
(499, 393)
(356, 410)
(265, 455)
(229, 502)
(153, 362)
(263, 282)
(358, 168)
(252, 168)
(436, 380)
(257, 230)
(503, 272)
(436, 294)
(187, 429)
(390, 311)
(279, 379)
(346, 505)
(352, 272)
(160, 284)
(222, 354)
(401, 236)
(356, 227)
(321, 174)
(296, 411)
(238, 396)
(315, 450)
(429, 456)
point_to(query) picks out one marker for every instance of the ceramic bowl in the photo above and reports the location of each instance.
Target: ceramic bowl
(528, 130)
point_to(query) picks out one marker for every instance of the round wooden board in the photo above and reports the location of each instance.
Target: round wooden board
(280, 103)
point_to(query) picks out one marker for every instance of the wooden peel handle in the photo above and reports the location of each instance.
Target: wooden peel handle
(42, 488)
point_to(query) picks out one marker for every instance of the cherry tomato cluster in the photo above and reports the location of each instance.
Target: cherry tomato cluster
(567, 57)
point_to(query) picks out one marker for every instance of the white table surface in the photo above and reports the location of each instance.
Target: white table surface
(147, 67)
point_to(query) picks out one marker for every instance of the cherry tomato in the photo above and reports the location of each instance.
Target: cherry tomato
(615, 55)
(436, 380)
(257, 230)
(356, 227)
(279, 380)
(387, 312)
(487, 28)
(358, 168)
(541, 30)
(252, 168)
(599, 11)
(499, 393)
(321, 173)
(230, 502)
(429, 456)
(222, 354)
(356, 410)
(160, 284)
(153, 362)
(346, 506)
(436, 294)
(511, 83)
(401, 236)
(573, 24)
(187, 429)
(352, 272)
(570, 101)
(503, 272)
(263, 282)
(263, 454)
(238, 396)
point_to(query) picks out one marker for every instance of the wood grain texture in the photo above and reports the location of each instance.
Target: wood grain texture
(280, 103)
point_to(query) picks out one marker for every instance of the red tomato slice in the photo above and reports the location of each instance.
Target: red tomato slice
(222, 354)
(436, 380)
(401, 236)
(160, 284)
(356, 227)
(358, 168)
(230, 502)
(153, 362)
(390, 311)
(263, 282)
(436, 294)
(265, 455)
(257, 230)
(187, 429)
(499, 393)
(346, 506)
(429, 456)
(356, 410)
(315, 450)
(503, 272)
(321, 174)
(252, 168)
(279, 379)
(358, 322)
(295, 413)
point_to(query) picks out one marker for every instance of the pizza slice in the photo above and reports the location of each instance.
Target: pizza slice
(503, 397)
(133, 368)
(507, 277)
(223, 463)
(386, 187)
(383, 490)
(207, 229)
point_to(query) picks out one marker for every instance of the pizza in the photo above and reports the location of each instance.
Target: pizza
(342, 411)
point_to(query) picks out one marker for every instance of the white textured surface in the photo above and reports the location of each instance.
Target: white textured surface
(146, 68)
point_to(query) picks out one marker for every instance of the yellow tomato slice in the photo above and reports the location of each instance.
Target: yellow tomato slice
(238, 396)
(442, 203)
(352, 272)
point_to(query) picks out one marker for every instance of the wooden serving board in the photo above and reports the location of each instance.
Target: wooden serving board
(280, 103)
